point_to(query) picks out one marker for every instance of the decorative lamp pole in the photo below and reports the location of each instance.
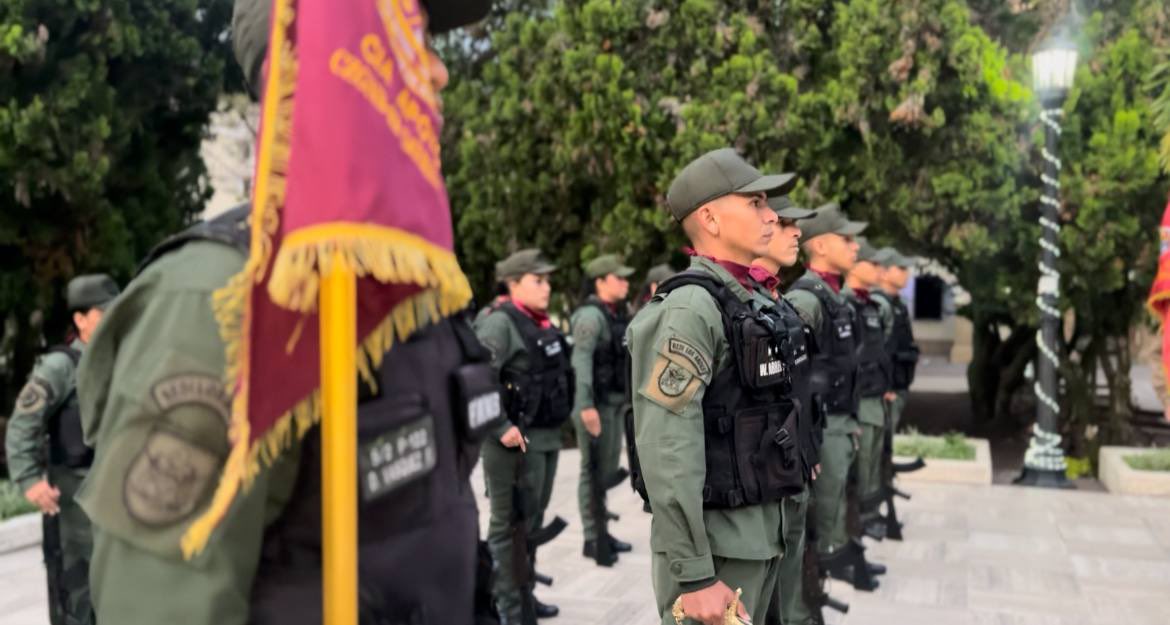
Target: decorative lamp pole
(1053, 68)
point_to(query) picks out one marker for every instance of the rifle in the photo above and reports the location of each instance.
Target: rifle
(54, 567)
(603, 546)
(813, 579)
(524, 543)
(893, 526)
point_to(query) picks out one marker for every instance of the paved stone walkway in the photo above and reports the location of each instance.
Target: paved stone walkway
(973, 555)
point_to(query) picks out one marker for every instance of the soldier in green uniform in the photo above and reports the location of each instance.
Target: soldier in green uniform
(788, 605)
(875, 321)
(47, 455)
(827, 241)
(902, 348)
(717, 522)
(599, 363)
(520, 458)
(153, 403)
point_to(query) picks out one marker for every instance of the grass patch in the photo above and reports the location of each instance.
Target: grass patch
(1153, 460)
(12, 501)
(950, 446)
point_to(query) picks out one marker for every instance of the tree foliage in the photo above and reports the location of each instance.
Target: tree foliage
(916, 116)
(102, 109)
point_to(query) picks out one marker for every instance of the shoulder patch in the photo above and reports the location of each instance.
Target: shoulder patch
(35, 395)
(192, 388)
(167, 479)
(700, 362)
(586, 329)
(671, 385)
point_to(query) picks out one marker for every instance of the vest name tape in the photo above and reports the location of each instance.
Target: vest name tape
(397, 457)
(552, 349)
(483, 409)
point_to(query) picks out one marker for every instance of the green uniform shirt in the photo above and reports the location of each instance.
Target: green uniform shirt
(590, 329)
(154, 407)
(677, 347)
(48, 391)
(500, 335)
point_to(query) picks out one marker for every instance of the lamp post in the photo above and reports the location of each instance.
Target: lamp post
(1053, 67)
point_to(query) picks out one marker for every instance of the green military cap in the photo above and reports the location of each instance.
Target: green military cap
(716, 174)
(95, 290)
(659, 273)
(250, 28)
(866, 251)
(523, 262)
(604, 265)
(890, 257)
(830, 220)
(787, 210)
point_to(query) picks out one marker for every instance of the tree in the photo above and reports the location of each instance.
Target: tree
(912, 115)
(102, 108)
(1114, 192)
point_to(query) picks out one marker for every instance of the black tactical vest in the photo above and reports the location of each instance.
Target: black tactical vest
(417, 524)
(750, 409)
(542, 395)
(611, 357)
(418, 440)
(900, 345)
(66, 441)
(834, 377)
(873, 364)
(811, 422)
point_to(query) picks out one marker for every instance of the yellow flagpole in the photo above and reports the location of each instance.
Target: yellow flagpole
(339, 504)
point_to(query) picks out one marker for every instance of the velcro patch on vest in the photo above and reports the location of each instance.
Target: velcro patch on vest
(396, 458)
(483, 409)
(35, 395)
(874, 323)
(552, 348)
(167, 479)
(699, 361)
(773, 366)
(671, 385)
(844, 331)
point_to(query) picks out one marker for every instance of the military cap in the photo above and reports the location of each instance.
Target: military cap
(659, 273)
(250, 28)
(95, 290)
(716, 174)
(890, 257)
(787, 210)
(523, 262)
(867, 252)
(830, 220)
(604, 265)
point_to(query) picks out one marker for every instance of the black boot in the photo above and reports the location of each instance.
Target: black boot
(876, 529)
(876, 568)
(590, 551)
(619, 546)
(545, 610)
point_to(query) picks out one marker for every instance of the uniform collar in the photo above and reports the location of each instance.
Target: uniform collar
(539, 318)
(77, 344)
(748, 276)
(832, 279)
(717, 268)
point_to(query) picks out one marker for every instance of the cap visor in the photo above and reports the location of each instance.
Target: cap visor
(796, 213)
(852, 228)
(541, 270)
(776, 184)
(624, 272)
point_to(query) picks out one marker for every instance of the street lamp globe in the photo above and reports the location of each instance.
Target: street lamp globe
(1053, 66)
